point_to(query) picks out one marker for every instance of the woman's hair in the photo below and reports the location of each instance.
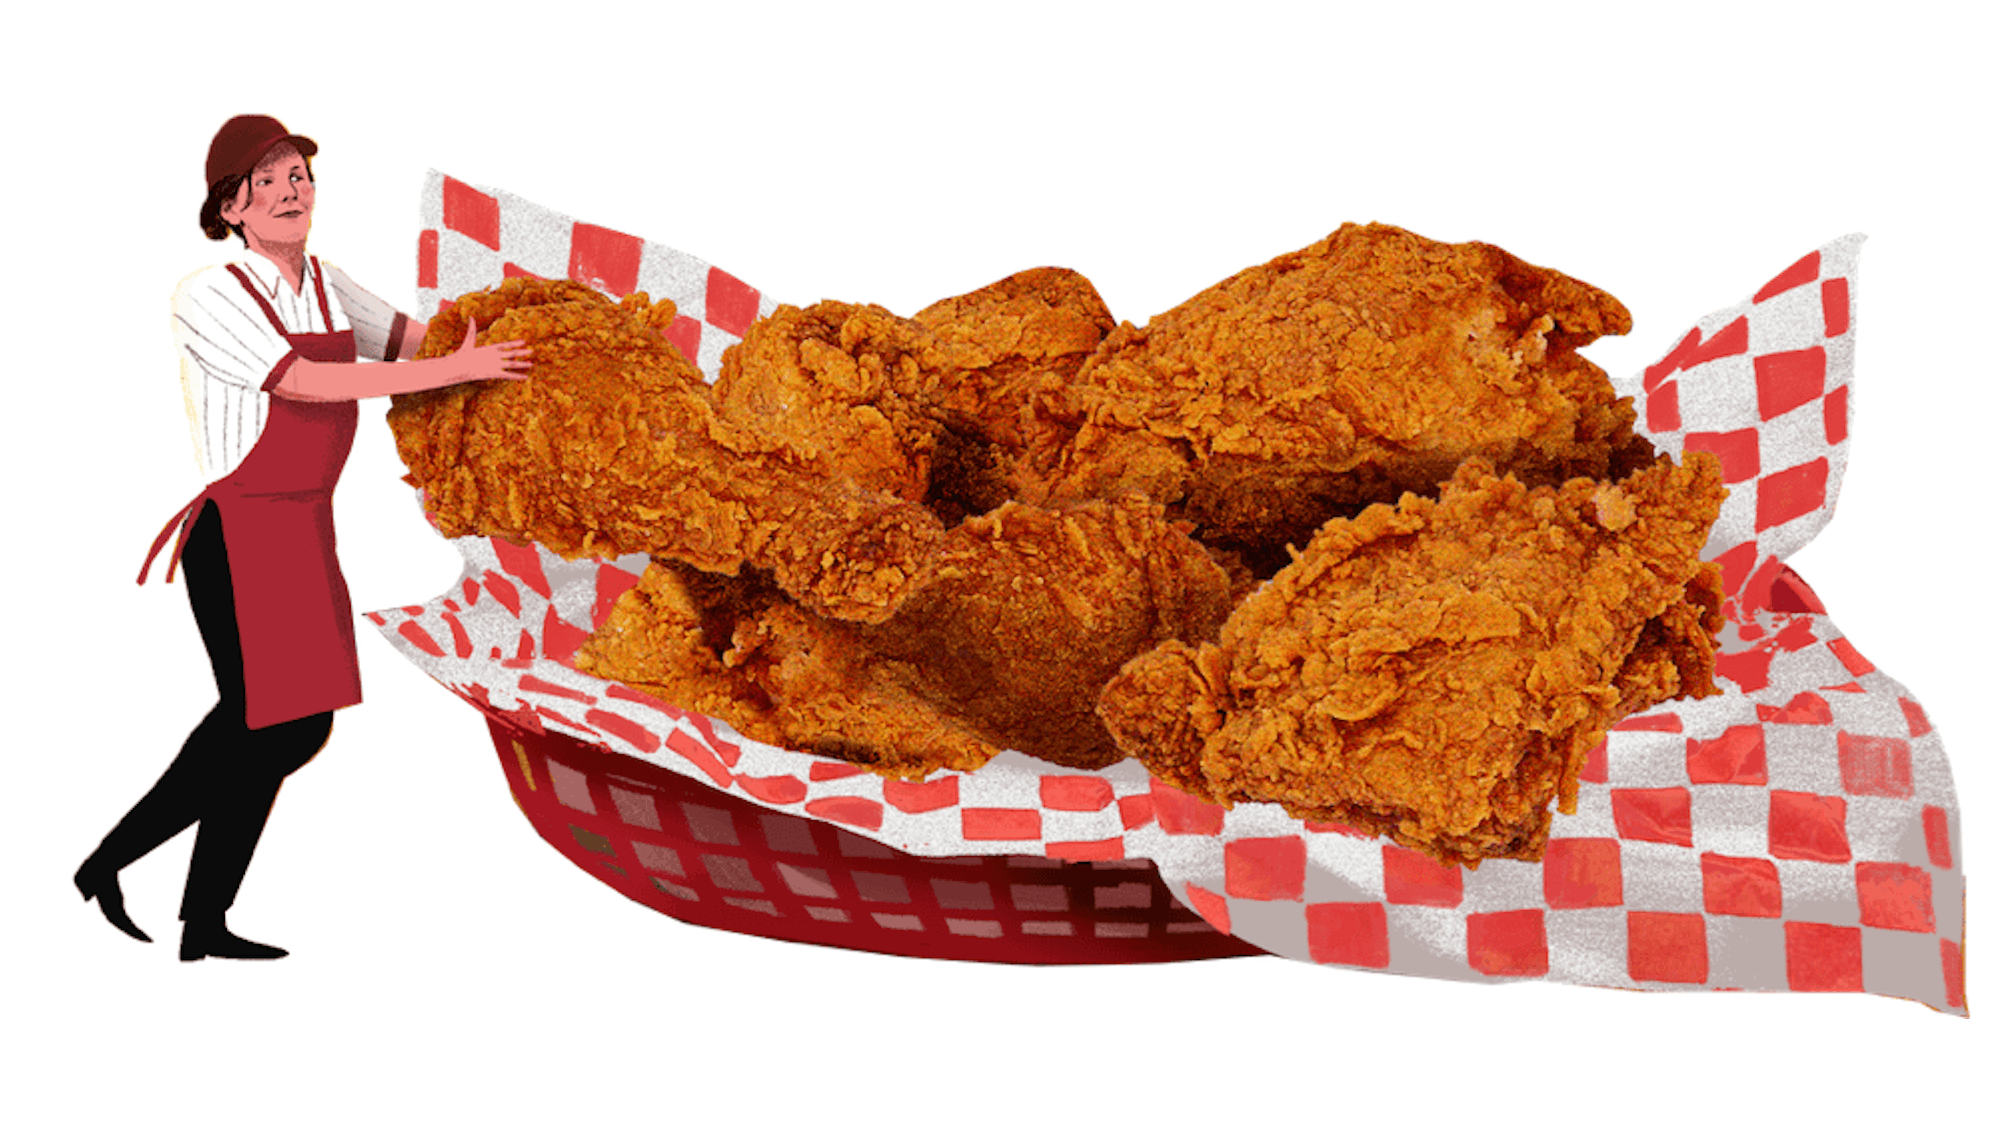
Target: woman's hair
(222, 191)
(211, 211)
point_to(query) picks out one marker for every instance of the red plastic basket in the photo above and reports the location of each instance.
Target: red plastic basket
(712, 859)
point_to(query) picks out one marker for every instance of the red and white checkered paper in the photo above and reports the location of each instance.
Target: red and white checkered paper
(1798, 832)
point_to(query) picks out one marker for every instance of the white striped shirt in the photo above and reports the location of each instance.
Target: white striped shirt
(228, 347)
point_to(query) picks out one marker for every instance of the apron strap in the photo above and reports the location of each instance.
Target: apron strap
(257, 295)
(319, 286)
(184, 520)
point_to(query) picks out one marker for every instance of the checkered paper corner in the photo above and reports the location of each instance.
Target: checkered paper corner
(474, 238)
(1764, 385)
(1794, 838)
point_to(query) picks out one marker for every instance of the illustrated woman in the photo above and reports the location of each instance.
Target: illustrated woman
(271, 351)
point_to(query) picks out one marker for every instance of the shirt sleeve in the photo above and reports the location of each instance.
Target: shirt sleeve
(378, 329)
(229, 353)
(223, 335)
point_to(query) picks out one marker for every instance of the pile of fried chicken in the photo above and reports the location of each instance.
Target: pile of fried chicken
(1357, 531)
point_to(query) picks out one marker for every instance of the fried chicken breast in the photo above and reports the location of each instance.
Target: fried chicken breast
(1436, 671)
(1365, 365)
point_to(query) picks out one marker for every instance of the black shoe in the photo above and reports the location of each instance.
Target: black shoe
(103, 886)
(198, 942)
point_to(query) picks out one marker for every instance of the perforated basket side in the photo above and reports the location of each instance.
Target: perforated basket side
(712, 859)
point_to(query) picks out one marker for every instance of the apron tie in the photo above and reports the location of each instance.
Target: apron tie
(184, 520)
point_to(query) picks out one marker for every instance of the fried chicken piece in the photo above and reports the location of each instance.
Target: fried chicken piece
(1008, 343)
(667, 635)
(834, 695)
(999, 380)
(938, 407)
(835, 384)
(1030, 612)
(1365, 365)
(1437, 671)
(614, 445)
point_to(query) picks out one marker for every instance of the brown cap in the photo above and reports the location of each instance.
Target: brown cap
(243, 141)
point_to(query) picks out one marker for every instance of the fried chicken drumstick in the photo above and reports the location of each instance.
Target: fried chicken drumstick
(615, 445)
(1436, 671)
(1365, 365)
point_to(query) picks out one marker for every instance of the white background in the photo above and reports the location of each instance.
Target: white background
(446, 963)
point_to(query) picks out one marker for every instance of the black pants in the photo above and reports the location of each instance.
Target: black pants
(227, 775)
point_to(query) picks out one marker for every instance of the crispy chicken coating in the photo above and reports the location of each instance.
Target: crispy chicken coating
(834, 384)
(1436, 671)
(1029, 614)
(615, 445)
(938, 407)
(667, 636)
(1022, 336)
(835, 695)
(1365, 365)
(999, 378)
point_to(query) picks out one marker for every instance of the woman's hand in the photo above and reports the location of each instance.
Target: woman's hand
(474, 362)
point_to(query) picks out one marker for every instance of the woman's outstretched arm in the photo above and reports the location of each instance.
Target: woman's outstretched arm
(342, 382)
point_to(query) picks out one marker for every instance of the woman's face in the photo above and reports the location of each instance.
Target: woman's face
(275, 204)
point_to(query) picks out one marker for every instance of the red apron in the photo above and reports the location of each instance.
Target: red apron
(292, 609)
